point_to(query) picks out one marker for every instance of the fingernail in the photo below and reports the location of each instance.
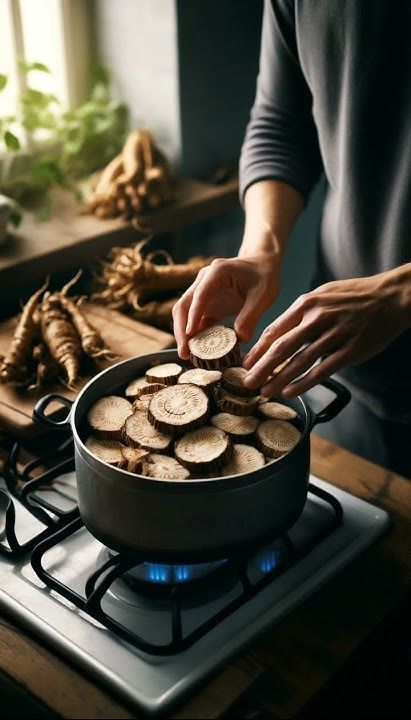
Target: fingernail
(249, 381)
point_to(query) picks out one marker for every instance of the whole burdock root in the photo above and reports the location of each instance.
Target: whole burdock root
(15, 366)
(91, 341)
(61, 337)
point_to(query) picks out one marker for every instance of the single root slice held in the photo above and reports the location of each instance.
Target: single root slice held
(133, 388)
(179, 408)
(108, 415)
(275, 437)
(138, 432)
(233, 382)
(162, 467)
(234, 404)
(110, 451)
(166, 374)
(238, 428)
(245, 459)
(132, 459)
(204, 450)
(214, 348)
(207, 380)
(276, 411)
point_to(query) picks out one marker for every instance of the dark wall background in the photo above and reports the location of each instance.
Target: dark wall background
(218, 52)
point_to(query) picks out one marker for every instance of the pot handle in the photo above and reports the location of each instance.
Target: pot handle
(39, 412)
(343, 397)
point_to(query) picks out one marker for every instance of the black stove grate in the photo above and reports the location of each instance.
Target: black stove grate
(116, 566)
(23, 481)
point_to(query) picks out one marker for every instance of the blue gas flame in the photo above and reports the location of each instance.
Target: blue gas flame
(269, 560)
(159, 573)
(156, 573)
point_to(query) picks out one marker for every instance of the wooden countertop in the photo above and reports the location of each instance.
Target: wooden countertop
(283, 671)
(68, 239)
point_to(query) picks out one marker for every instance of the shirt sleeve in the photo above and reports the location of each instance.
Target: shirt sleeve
(281, 141)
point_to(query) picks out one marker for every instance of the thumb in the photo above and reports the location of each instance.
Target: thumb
(247, 318)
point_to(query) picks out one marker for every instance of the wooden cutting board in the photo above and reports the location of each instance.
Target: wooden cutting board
(126, 337)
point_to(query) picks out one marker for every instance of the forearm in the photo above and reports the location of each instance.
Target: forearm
(398, 281)
(271, 210)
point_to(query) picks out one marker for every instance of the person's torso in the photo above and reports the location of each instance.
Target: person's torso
(356, 58)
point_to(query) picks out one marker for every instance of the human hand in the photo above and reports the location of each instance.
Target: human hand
(242, 286)
(340, 323)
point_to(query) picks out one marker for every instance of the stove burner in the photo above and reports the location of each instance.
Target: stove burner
(135, 581)
(171, 574)
(149, 584)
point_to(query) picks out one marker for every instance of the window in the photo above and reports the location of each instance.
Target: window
(52, 32)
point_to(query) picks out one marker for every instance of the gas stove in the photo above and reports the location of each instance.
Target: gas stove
(151, 631)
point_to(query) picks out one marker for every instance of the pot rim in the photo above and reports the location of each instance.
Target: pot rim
(243, 479)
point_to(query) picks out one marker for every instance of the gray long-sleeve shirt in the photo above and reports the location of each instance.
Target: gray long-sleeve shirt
(334, 94)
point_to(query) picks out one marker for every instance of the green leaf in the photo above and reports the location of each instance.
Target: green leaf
(11, 141)
(3, 81)
(100, 75)
(32, 97)
(15, 217)
(44, 211)
(27, 67)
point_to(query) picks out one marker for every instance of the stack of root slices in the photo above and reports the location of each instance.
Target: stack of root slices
(177, 422)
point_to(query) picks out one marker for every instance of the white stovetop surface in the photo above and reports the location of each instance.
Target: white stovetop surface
(156, 682)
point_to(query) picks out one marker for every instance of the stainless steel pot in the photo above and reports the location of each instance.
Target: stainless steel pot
(188, 519)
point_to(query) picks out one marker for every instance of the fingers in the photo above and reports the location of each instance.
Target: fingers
(281, 350)
(288, 320)
(299, 364)
(248, 316)
(330, 365)
(180, 314)
(205, 287)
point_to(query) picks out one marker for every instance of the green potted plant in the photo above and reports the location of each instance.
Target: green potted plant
(78, 142)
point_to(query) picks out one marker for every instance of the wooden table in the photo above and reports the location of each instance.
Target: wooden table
(289, 669)
(69, 240)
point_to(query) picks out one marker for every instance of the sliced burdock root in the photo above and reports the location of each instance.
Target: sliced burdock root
(214, 348)
(276, 411)
(233, 382)
(149, 389)
(178, 409)
(238, 428)
(139, 432)
(275, 437)
(207, 380)
(234, 404)
(204, 450)
(108, 415)
(245, 459)
(163, 467)
(132, 459)
(142, 403)
(166, 374)
(133, 389)
(110, 451)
